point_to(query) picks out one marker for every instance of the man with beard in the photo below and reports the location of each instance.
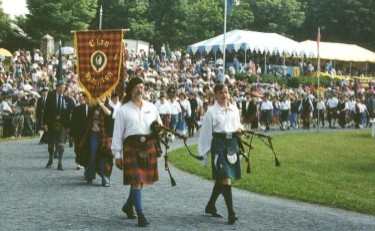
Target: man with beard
(138, 159)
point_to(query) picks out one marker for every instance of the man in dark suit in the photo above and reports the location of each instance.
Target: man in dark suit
(78, 129)
(56, 123)
(40, 105)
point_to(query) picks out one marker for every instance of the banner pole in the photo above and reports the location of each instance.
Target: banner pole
(100, 17)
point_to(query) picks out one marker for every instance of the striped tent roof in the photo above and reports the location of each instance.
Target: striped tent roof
(248, 40)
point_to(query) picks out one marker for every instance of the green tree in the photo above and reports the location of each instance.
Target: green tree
(205, 20)
(58, 18)
(351, 21)
(171, 21)
(279, 16)
(241, 17)
(5, 28)
(122, 14)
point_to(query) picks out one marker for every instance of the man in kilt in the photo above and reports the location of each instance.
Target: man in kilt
(139, 159)
(56, 119)
(220, 127)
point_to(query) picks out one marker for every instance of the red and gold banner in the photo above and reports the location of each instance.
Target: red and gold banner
(99, 60)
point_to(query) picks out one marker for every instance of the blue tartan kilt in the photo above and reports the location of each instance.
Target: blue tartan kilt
(221, 168)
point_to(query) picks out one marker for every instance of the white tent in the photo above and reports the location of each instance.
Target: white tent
(338, 51)
(248, 40)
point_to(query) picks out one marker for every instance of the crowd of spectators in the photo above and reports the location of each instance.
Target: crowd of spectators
(182, 88)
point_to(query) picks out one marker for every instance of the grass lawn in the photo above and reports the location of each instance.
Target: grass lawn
(335, 169)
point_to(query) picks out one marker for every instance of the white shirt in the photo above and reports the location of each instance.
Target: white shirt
(321, 106)
(5, 108)
(186, 104)
(132, 120)
(284, 106)
(332, 102)
(219, 120)
(115, 107)
(175, 108)
(351, 105)
(266, 105)
(164, 108)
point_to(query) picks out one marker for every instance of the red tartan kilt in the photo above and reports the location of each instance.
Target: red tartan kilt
(133, 174)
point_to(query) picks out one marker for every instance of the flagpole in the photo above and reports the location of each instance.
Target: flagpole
(100, 17)
(225, 32)
(318, 71)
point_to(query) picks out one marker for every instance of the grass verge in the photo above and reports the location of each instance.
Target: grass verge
(335, 169)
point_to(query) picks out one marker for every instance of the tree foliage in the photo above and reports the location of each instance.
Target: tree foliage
(58, 18)
(5, 28)
(351, 21)
(183, 22)
(279, 16)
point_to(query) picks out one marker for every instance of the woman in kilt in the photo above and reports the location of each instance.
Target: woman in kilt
(218, 134)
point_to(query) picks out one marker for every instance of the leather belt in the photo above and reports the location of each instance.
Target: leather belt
(224, 135)
(138, 138)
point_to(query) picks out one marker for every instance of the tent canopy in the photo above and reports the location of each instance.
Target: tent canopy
(338, 51)
(252, 40)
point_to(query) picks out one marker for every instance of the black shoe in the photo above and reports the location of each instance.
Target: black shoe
(142, 221)
(60, 167)
(212, 211)
(232, 219)
(49, 164)
(129, 211)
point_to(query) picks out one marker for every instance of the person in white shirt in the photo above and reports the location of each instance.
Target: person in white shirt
(321, 107)
(185, 112)
(284, 112)
(175, 111)
(351, 105)
(266, 108)
(115, 103)
(6, 112)
(332, 103)
(134, 147)
(164, 110)
(218, 134)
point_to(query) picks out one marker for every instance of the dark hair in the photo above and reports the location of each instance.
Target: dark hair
(218, 87)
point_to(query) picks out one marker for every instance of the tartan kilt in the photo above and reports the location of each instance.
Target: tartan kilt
(133, 174)
(221, 169)
(56, 137)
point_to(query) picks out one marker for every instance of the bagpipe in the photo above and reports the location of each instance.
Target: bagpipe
(164, 135)
(262, 137)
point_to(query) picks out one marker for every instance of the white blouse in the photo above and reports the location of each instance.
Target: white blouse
(217, 120)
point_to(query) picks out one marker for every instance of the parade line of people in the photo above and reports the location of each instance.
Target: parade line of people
(183, 96)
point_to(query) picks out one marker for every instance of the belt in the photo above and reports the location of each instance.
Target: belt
(139, 138)
(224, 135)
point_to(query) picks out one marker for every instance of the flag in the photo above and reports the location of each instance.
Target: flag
(229, 5)
(99, 61)
(59, 71)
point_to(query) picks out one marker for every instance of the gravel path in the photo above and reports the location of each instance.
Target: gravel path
(35, 198)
